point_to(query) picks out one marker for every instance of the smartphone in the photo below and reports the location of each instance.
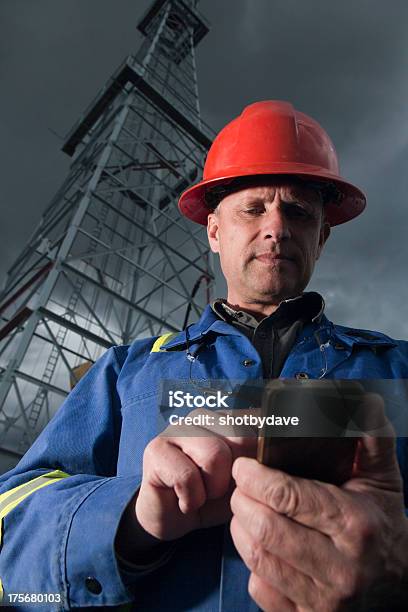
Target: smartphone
(322, 445)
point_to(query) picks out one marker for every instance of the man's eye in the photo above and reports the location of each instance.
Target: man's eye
(298, 211)
(253, 211)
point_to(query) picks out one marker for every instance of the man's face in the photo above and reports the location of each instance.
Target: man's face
(268, 238)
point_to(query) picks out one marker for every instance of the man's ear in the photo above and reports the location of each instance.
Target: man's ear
(212, 232)
(324, 234)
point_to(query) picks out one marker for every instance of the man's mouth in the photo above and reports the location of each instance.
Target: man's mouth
(273, 257)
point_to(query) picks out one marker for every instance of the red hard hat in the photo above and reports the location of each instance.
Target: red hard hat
(272, 138)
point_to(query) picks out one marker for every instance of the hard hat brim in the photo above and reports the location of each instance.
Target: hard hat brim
(352, 202)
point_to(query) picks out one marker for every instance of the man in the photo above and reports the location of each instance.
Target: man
(102, 511)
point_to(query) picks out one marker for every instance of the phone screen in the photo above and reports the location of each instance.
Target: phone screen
(320, 446)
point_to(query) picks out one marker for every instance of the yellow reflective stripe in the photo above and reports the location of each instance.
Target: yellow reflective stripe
(156, 348)
(10, 499)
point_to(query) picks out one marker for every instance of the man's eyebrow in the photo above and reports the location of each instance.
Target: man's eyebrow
(250, 199)
(302, 199)
(297, 200)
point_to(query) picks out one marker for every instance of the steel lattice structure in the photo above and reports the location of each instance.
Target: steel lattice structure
(112, 259)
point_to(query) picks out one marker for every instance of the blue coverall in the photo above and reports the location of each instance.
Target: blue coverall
(62, 533)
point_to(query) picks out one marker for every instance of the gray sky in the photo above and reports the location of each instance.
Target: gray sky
(343, 63)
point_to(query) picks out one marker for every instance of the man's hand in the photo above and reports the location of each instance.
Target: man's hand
(186, 484)
(314, 546)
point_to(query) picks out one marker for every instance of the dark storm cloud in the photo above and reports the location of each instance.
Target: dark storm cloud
(343, 63)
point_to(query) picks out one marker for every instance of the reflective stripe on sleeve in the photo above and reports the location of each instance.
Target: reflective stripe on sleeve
(156, 348)
(10, 499)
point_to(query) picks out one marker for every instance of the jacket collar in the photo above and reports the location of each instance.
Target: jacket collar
(208, 322)
(350, 337)
(308, 306)
(343, 337)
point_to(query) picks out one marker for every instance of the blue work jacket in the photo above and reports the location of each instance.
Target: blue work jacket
(59, 539)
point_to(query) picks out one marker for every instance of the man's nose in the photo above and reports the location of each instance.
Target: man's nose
(276, 225)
